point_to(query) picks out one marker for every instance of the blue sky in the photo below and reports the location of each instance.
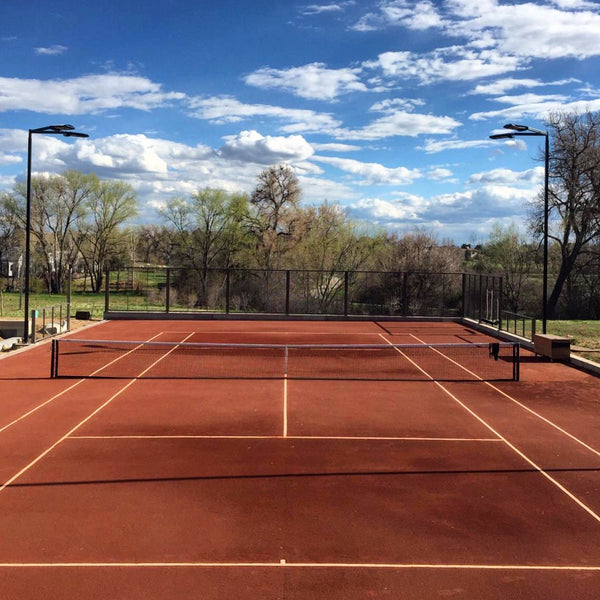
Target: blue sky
(384, 107)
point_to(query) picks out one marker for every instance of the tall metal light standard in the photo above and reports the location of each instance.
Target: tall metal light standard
(67, 131)
(525, 130)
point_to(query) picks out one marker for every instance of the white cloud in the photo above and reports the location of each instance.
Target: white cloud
(251, 146)
(88, 94)
(508, 177)
(541, 31)
(120, 154)
(538, 110)
(574, 4)
(525, 29)
(317, 190)
(423, 15)
(12, 141)
(372, 173)
(333, 147)
(530, 99)
(418, 16)
(455, 63)
(400, 123)
(51, 50)
(376, 210)
(226, 109)
(432, 146)
(317, 9)
(313, 81)
(505, 85)
(438, 173)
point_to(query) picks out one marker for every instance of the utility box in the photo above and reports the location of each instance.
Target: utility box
(555, 347)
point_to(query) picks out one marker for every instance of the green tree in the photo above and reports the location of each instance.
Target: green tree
(209, 231)
(109, 205)
(331, 244)
(509, 253)
(9, 230)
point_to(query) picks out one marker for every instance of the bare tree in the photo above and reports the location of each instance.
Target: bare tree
(574, 192)
(276, 202)
(58, 203)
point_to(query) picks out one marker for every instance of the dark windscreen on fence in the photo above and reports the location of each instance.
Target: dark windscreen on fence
(304, 292)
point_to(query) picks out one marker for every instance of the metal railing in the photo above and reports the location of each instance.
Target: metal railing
(518, 324)
(50, 321)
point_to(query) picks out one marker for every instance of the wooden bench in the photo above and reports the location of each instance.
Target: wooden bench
(555, 347)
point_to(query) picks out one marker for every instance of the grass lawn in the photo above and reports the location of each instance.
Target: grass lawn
(583, 334)
(11, 303)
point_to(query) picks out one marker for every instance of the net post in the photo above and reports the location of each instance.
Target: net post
(285, 360)
(52, 358)
(516, 362)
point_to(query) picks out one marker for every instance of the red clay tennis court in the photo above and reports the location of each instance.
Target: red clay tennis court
(225, 460)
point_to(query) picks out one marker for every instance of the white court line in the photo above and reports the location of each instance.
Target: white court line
(27, 414)
(267, 333)
(304, 565)
(285, 406)
(278, 437)
(509, 397)
(80, 381)
(556, 483)
(130, 383)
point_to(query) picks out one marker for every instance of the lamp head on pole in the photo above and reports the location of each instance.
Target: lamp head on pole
(502, 136)
(516, 127)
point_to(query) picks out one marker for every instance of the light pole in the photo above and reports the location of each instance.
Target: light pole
(525, 130)
(67, 131)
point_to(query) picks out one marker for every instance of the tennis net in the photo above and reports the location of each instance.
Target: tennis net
(426, 362)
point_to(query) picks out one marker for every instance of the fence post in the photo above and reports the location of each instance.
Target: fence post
(346, 280)
(69, 281)
(106, 290)
(464, 295)
(500, 298)
(227, 287)
(405, 294)
(480, 298)
(287, 292)
(168, 291)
